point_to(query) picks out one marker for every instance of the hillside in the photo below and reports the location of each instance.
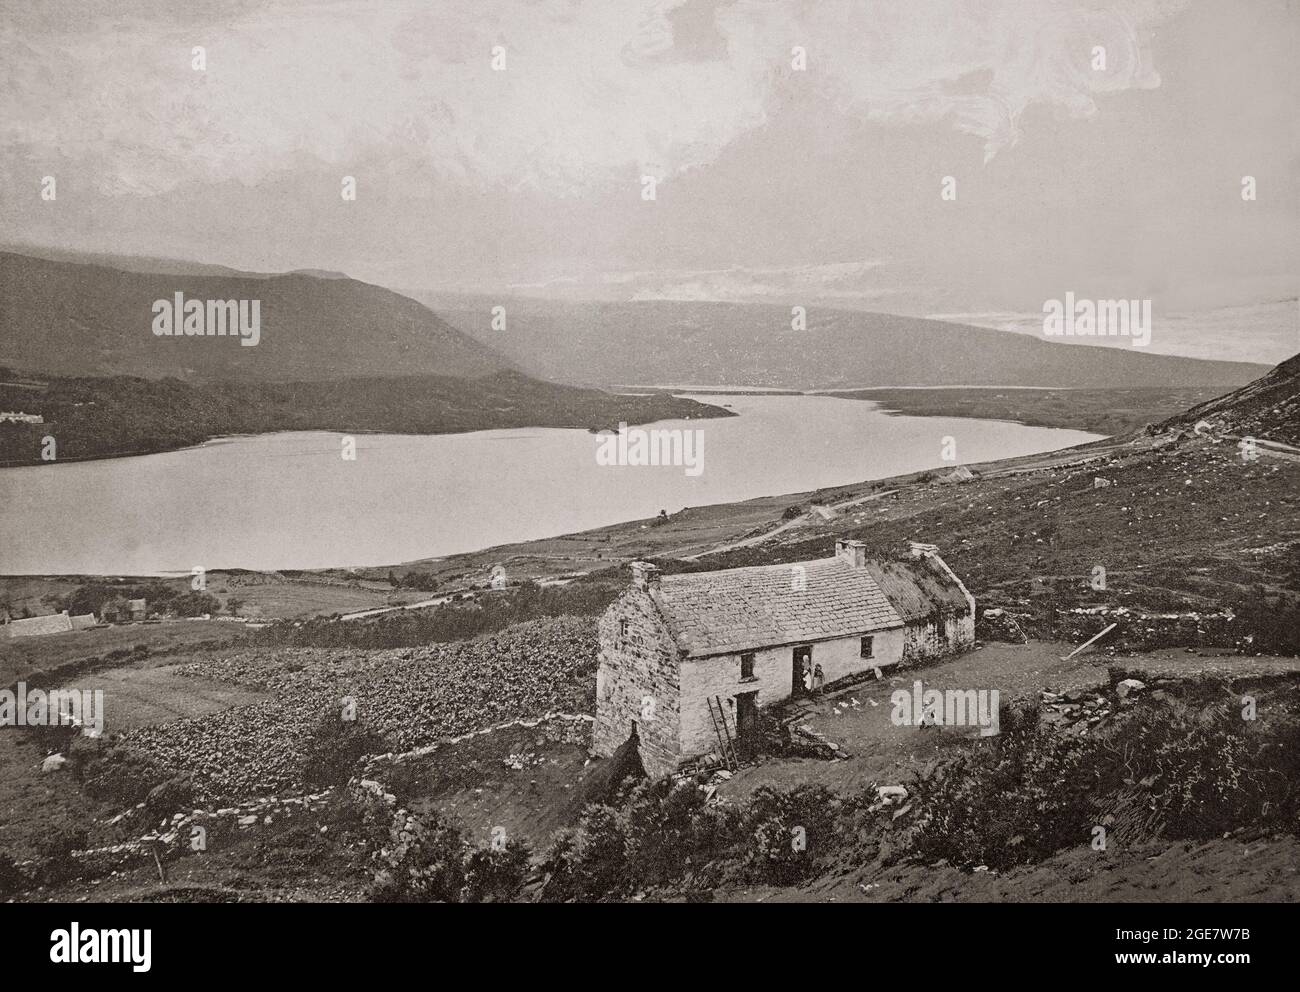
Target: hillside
(1267, 408)
(671, 343)
(77, 347)
(122, 415)
(75, 319)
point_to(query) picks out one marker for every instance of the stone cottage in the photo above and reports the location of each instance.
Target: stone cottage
(686, 660)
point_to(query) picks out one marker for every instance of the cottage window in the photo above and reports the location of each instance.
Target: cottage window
(622, 632)
(866, 647)
(747, 667)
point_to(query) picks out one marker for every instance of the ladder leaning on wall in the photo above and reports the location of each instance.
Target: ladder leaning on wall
(725, 744)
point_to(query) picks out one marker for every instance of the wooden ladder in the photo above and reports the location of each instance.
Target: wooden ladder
(723, 732)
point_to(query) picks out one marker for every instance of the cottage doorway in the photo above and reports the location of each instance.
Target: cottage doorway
(801, 671)
(746, 721)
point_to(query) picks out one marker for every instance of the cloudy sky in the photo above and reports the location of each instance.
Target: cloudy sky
(775, 183)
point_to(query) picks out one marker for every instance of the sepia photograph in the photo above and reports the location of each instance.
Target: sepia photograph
(662, 452)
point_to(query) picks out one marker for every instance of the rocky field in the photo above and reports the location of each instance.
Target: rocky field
(409, 697)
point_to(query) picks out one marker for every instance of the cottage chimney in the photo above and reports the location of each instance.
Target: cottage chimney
(854, 552)
(645, 575)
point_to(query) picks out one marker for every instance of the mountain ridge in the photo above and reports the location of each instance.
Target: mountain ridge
(750, 344)
(94, 319)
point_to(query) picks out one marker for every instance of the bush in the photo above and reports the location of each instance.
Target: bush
(495, 875)
(1162, 768)
(588, 864)
(54, 853)
(432, 869)
(195, 604)
(113, 773)
(664, 835)
(334, 748)
(176, 795)
(790, 832)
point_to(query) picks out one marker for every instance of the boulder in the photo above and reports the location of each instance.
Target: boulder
(1128, 686)
(54, 763)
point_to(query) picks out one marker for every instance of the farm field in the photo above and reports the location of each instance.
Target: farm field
(407, 697)
(258, 596)
(35, 657)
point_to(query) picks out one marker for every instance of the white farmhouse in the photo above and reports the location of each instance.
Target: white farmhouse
(686, 660)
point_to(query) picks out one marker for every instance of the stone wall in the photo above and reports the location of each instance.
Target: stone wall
(938, 635)
(638, 680)
(704, 678)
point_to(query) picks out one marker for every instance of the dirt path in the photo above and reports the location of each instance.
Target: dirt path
(799, 521)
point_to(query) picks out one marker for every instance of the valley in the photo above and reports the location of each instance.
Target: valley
(1201, 583)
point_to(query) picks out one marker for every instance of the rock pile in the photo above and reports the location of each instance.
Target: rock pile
(1074, 711)
(1080, 711)
(999, 625)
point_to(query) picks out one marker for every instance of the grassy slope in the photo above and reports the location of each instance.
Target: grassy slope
(1268, 408)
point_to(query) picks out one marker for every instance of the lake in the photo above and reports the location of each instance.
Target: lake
(291, 501)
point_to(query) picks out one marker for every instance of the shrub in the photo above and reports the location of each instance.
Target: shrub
(1162, 768)
(588, 864)
(173, 796)
(432, 869)
(495, 875)
(662, 835)
(195, 604)
(334, 748)
(54, 853)
(113, 773)
(790, 831)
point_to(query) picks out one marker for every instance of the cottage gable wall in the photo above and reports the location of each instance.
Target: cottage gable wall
(938, 635)
(638, 680)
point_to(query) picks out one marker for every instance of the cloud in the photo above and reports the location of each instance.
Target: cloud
(595, 92)
(858, 283)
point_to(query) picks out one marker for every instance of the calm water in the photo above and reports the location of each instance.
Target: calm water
(290, 500)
